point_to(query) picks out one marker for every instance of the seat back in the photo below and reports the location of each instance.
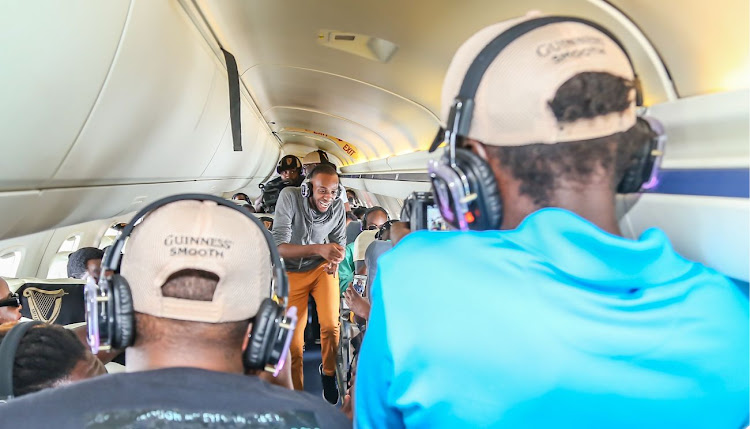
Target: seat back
(51, 301)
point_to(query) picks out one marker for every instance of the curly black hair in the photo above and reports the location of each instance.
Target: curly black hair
(45, 356)
(77, 261)
(540, 167)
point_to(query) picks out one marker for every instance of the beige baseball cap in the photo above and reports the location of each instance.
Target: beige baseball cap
(199, 235)
(511, 106)
(362, 242)
(312, 158)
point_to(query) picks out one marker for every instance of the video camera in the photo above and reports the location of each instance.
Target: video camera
(421, 212)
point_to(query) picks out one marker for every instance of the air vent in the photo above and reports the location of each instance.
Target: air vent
(369, 47)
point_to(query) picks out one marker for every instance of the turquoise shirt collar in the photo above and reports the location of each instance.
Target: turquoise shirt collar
(581, 250)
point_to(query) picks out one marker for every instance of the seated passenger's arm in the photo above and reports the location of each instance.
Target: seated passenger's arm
(375, 372)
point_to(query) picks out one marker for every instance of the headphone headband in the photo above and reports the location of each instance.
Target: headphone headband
(280, 286)
(8, 348)
(459, 119)
(487, 55)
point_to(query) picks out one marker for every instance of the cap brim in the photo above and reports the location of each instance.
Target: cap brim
(439, 139)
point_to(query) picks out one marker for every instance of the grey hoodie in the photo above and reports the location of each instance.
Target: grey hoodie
(297, 222)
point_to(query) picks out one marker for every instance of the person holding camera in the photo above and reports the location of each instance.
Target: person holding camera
(537, 312)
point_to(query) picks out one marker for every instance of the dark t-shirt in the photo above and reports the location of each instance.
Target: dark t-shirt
(173, 398)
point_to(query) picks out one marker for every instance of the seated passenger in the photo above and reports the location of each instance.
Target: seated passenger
(548, 318)
(267, 222)
(84, 263)
(372, 220)
(361, 244)
(240, 196)
(359, 212)
(352, 197)
(353, 227)
(361, 305)
(48, 356)
(198, 273)
(289, 169)
(247, 206)
(10, 304)
(314, 159)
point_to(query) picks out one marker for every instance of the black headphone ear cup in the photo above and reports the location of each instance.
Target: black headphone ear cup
(637, 174)
(123, 329)
(262, 335)
(305, 189)
(482, 181)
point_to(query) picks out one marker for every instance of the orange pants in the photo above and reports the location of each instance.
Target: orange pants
(325, 291)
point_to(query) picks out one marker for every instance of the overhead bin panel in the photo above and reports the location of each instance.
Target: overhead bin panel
(76, 205)
(55, 58)
(260, 150)
(162, 110)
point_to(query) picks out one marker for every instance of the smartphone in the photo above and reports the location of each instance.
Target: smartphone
(359, 283)
(434, 221)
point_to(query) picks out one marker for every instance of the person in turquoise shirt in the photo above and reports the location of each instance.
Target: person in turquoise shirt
(537, 313)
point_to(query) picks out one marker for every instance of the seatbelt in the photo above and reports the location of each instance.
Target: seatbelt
(234, 100)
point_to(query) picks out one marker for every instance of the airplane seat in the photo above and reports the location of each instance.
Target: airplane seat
(58, 301)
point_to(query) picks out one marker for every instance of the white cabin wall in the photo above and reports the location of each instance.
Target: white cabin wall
(110, 105)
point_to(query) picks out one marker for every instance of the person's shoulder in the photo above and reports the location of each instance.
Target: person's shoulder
(63, 403)
(377, 247)
(445, 250)
(436, 241)
(289, 192)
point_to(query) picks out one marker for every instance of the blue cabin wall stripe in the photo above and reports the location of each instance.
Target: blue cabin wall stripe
(705, 182)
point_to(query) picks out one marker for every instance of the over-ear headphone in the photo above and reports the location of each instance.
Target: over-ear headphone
(8, 348)
(306, 186)
(109, 306)
(464, 184)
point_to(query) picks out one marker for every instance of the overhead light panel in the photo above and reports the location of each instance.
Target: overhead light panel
(372, 48)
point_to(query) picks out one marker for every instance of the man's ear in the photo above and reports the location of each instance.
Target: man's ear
(246, 340)
(477, 147)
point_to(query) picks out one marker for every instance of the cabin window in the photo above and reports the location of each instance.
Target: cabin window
(9, 263)
(58, 268)
(110, 236)
(70, 244)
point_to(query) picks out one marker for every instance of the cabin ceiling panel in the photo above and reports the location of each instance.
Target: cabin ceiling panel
(284, 65)
(163, 109)
(367, 140)
(405, 125)
(55, 57)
